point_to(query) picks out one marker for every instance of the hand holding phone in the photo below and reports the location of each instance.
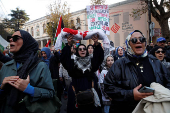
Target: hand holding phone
(146, 90)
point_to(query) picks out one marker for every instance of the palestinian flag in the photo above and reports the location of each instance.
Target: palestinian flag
(48, 43)
(59, 28)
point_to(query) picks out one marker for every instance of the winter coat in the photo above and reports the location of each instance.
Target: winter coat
(81, 81)
(157, 103)
(122, 79)
(40, 79)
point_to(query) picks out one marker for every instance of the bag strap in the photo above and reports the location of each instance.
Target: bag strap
(75, 90)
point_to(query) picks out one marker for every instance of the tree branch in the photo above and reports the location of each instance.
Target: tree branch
(167, 15)
(159, 7)
(155, 14)
(161, 4)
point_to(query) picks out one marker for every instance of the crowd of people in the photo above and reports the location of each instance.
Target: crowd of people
(92, 79)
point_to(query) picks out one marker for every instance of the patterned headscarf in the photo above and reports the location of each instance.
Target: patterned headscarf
(129, 50)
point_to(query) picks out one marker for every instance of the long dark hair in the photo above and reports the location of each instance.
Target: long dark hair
(89, 46)
(152, 52)
(77, 53)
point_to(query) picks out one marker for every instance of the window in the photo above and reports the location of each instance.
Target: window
(37, 30)
(136, 16)
(32, 31)
(43, 28)
(117, 39)
(78, 23)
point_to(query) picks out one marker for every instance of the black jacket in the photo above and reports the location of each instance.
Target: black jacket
(81, 81)
(122, 79)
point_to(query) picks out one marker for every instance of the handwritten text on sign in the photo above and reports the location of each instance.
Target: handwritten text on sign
(98, 17)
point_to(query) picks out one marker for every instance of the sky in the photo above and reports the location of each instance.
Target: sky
(39, 8)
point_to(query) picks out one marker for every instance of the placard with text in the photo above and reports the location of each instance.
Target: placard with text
(98, 18)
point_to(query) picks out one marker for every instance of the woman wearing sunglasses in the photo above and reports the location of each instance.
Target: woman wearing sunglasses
(81, 69)
(159, 53)
(127, 75)
(23, 76)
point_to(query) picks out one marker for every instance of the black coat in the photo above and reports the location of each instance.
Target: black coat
(81, 81)
(122, 79)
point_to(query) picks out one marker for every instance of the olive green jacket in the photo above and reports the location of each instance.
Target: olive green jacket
(40, 79)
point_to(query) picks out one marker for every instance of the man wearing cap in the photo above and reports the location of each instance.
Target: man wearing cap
(161, 42)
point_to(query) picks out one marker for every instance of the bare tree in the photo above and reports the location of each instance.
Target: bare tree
(98, 2)
(57, 9)
(159, 10)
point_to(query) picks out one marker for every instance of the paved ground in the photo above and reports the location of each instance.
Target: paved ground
(64, 105)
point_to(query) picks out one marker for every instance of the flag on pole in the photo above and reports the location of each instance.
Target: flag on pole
(48, 43)
(58, 30)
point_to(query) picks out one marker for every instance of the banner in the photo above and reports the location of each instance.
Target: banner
(98, 18)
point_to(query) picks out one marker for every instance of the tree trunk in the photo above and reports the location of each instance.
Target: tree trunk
(165, 28)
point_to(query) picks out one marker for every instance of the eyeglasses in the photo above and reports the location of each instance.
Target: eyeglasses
(82, 49)
(141, 39)
(14, 38)
(159, 51)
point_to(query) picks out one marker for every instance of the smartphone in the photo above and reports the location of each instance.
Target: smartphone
(146, 90)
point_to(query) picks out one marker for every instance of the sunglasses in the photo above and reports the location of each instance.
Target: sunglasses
(14, 38)
(159, 51)
(81, 49)
(162, 41)
(141, 39)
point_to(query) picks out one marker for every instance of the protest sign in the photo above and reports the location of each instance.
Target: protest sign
(98, 18)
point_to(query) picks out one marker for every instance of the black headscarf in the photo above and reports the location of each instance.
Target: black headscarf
(77, 53)
(155, 49)
(89, 46)
(27, 55)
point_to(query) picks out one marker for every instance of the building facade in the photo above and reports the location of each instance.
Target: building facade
(121, 24)
(37, 29)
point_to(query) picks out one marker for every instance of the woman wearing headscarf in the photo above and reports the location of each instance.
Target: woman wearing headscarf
(108, 61)
(119, 53)
(159, 53)
(90, 49)
(127, 75)
(46, 55)
(81, 69)
(24, 76)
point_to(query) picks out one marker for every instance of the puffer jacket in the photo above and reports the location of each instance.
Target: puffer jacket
(122, 79)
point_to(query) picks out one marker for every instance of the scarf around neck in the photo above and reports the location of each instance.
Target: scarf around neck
(83, 63)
